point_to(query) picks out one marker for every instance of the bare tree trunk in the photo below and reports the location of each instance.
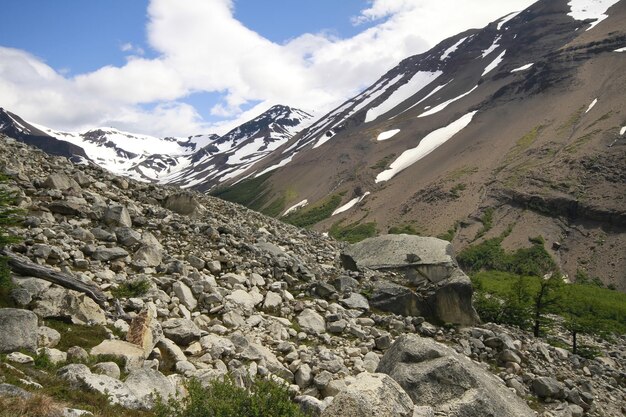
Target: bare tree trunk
(23, 266)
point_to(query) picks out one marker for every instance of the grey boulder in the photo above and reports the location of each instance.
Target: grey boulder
(18, 330)
(434, 375)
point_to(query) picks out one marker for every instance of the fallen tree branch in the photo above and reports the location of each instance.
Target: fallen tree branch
(23, 266)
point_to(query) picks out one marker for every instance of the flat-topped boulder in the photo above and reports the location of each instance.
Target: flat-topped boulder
(429, 284)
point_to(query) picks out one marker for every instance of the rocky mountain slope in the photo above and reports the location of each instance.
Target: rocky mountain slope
(186, 285)
(204, 160)
(520, 123)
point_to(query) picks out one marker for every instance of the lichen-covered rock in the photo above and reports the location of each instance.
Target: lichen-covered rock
(18, 330)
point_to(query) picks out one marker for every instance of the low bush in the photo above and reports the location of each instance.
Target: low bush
(135, 288)
(223, 398)
(354, 232)
(310, 215)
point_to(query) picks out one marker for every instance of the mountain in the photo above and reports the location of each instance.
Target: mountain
(514, 131)
(199, 160)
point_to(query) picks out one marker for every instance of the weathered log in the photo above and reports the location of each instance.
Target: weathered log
(23, 266)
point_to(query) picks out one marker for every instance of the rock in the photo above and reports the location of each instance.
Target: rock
(311, 406)
(370, 362)
(47, 337)
(181, 331)
(107, 368)
(18, 357)
(117, 391)
(375, 395)
(73, 412)
(8, 390)
(108, 254)
(548, 387)
(128, 237)
(117, 216)
(72, 373)
(242, 299)
(77, 354)
(59, 302)
(183, 203)
(272, 301)
(60, 181)
(132, 355)
(311, 322)
(171, 354)
(196, 262)
(148, 256)
(424, 261)
(54, 355)
(423, 411)
(355, 301)
(18, 329)
(303, 376)
(144, 383)
(144, 330)
(434, 375)
(185, 295)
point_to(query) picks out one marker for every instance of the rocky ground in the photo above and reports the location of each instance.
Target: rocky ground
(192, 286)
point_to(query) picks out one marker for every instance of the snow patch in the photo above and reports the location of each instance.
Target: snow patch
(435, 90)
(451, 49)
(507, 18)
(428, 144)
(494, 64)
(350, 204)
(622, 131)
(492, 48)
(445, 104)
(387, 135)
(276, 166)
(621, 49)
(523, 67)
(590, 9)
(296, 207)
(420, 80)
(591, 106)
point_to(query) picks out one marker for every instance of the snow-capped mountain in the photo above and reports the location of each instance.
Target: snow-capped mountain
(196, 160)
(522, 119)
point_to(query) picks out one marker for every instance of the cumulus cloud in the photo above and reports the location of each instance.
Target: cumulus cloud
(201, 47)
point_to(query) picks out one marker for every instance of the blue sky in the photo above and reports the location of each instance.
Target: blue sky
(177, 67)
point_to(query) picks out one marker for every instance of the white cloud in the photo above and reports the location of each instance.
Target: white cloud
(201, 47)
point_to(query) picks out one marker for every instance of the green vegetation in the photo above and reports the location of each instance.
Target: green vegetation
(310, 215)
(135, 288)
(450, 233)
(487, 221)
(524, 287)
(523, 144)
(223, 398)
(456, 190)
(573, 120)
(9, 216)
(77, 334)
(581, 141)
(383, 163)
(406, 229)
(251, 192)
(354, 232)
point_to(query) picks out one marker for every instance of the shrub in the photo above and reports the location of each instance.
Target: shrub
(354, 232)
(407, 229)
(310, 215)
(223, 398)
(129, 289)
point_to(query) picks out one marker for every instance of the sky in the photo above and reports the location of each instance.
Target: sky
(183, 67)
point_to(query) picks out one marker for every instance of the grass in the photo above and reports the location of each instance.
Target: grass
(135, 288)
(310, 215)
(383, 163)
(450, 233)
(406, 228)
(580, 142)
(251, 192)
(573, 120)
(456, 190)
(354, 232)
(487, 221)
(77, 335)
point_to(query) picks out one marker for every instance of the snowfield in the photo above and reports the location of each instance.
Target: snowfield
(387, 135)
(590, 9)
(445, 104)
(296, 206)
(350, 204)
(451, 49)
(420, 80)
(592, 105)
(428, 144)
(523, 67)
(494, 64)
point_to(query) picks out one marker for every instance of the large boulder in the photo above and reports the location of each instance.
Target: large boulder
(434, 375)
(18, 330)
(181, 331)
(371, 395)
(132, 355)
(117, 216)
(430, 282)
(60, 302)
(183, 203)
